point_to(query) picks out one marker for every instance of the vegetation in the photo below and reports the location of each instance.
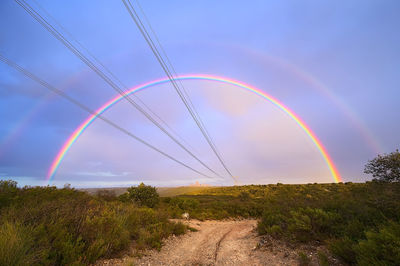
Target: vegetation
(175, 191)
(50, 226)
(385, 167)
(359, 222)
(209, 207)
(143, 195)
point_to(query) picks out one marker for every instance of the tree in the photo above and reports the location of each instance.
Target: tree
(144, 195)
(385, 167)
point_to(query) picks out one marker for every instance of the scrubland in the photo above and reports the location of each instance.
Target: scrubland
(50, 226)
(358, 223)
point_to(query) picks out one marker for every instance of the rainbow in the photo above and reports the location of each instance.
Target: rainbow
(75, 135)
(319, 86)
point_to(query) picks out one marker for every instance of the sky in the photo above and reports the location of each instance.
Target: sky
(334, 64)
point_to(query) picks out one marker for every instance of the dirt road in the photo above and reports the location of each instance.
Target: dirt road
(215, 243)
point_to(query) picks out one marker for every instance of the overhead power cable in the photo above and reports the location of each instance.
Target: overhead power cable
(97, 115)
(59, 36)
(174, 72)
(189, 105)
(111, 73)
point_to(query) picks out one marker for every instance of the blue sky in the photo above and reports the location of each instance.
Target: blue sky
(334, 64)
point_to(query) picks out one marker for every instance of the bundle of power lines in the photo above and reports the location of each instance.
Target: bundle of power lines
(104, 73)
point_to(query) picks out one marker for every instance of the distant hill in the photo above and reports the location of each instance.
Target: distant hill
(163, 191)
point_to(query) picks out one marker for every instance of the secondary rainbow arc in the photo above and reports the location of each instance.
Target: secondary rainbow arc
(81, 128)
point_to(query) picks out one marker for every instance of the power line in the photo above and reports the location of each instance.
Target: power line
(173, 71)
(110, 73)
(59, 36)
(97, 115)
(189, 105)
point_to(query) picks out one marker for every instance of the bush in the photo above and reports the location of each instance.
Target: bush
(50, 226)
(381, 247)
(144, 195)
(15, 245)
(340, 215)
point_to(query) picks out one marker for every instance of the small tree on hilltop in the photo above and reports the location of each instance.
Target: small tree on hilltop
(144, 195)
(385, 167)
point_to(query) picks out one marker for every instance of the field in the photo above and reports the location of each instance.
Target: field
(358, 223)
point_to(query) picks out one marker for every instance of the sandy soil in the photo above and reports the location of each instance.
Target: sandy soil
(220, 243)
(216, 243)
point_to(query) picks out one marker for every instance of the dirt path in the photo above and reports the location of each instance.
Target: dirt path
(215, 243)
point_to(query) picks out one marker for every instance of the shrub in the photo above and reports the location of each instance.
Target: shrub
(124, 197)
(244, 196)
(184, 204)
(16, 243)
(344, 249)
(180, 229)
(300, 225)
(271, 223)
(144, 195)
(50, 226)
(381, 247)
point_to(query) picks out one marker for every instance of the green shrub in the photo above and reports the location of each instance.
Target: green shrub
(50, 226)
(344, 249)
(271, 223)
(144, 195)
(381, 247)
(105, 232)
(180, 229)
(244, 196)
(124, 197)
(300, 225)
(16, 243)
(184, 204)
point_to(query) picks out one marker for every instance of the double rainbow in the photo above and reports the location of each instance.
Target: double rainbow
(74, 136)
